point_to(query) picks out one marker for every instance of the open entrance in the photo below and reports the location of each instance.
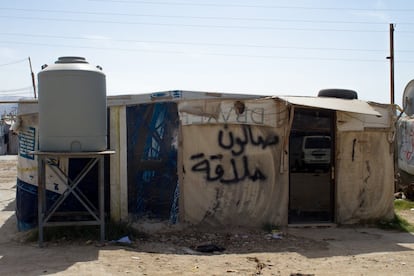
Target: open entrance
(311, 151)
(152, 161)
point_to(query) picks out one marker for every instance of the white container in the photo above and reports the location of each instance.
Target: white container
(72, 106)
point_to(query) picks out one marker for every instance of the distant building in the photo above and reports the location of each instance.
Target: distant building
(9, 141)
(4, 137)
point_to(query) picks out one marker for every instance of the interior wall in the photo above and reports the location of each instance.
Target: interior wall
(153, 189)
(311, 146)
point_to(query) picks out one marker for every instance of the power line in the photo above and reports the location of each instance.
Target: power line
(195, 25)
(207, 54)
(200, 17)
(15, 89)
(24, 93)
(90, 47)
(196, 43)
(251, 6)
(14, 62)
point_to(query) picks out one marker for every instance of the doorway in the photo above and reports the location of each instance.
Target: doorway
(153, 189)
(311, 162)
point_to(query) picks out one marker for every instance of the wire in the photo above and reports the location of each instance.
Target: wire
(249, 6)
(201, 17)
(207, 54)
(16, 89)
(199, 43)
(22, 89)
(14, 62)
(91, 47)
(197, 25)
(26, 92)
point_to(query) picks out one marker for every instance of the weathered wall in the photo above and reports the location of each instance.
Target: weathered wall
(364, 176)
(232, 163)
(118, 163)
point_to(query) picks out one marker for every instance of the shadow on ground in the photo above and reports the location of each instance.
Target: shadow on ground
(18, 257)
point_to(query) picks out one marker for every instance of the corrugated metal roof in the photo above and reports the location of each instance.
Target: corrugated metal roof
(355, 106)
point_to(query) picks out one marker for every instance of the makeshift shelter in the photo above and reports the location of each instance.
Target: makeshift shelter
(234, 160)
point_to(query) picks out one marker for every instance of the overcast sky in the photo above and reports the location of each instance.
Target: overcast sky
(292, 47)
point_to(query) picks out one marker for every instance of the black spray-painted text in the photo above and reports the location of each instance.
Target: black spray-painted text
(239, 167)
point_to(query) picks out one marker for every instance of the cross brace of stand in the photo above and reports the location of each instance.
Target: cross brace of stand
(46, 213)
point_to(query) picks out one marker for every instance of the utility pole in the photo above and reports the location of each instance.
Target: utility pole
(391, 58)
(33, 78)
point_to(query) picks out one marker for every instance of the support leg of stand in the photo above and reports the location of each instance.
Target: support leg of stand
(44, 215)
(41, 201)
(101, 197)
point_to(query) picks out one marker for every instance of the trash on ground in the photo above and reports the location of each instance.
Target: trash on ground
(209, 248)
(123, 240)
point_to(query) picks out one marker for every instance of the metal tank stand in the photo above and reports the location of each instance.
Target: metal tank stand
(45, 213)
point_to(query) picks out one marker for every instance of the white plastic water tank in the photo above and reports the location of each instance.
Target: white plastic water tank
(72, 106)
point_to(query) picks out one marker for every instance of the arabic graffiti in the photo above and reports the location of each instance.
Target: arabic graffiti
(255, 116)
(218, 173)
(247, 138)
(240, 169)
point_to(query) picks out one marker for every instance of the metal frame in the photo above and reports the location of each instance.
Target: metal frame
(45, 213)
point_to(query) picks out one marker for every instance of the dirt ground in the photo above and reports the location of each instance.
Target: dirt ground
(291, 251)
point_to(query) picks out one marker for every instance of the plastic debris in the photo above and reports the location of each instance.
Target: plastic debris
(124, 240)
(277, 236)
(189, 251)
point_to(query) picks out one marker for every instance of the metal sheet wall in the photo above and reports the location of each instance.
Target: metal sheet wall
(233, 155)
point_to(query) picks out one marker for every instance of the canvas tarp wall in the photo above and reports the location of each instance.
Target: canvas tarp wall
(365, 166)
(234, 172)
